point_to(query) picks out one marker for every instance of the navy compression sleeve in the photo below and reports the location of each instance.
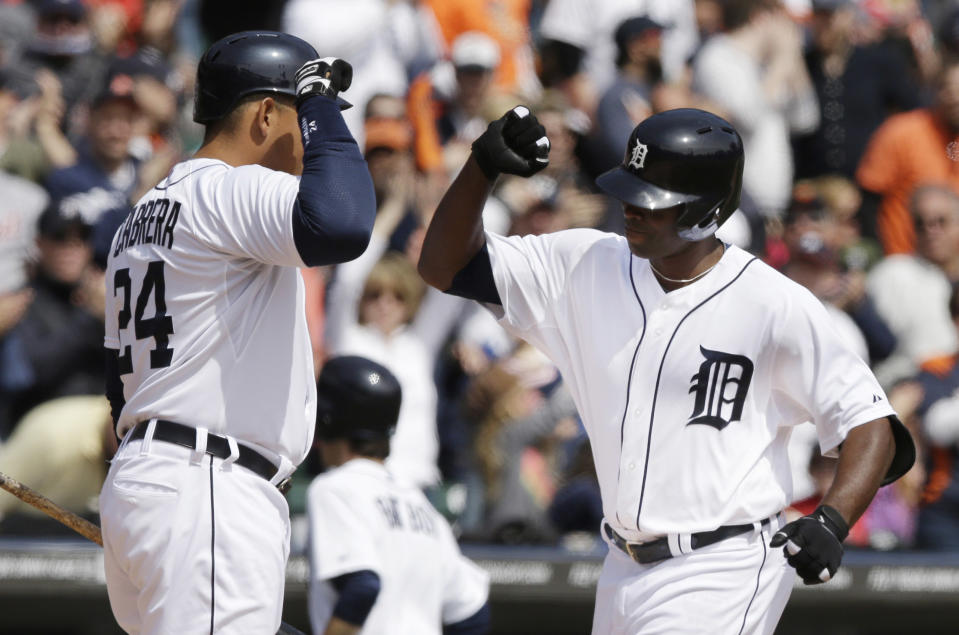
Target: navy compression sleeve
(334, 210)
(114, 387)
(475, 280)
(357, 595)
(476, 624)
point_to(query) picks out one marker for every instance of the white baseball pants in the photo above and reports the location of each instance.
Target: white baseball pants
(192, 544)
(738, 585)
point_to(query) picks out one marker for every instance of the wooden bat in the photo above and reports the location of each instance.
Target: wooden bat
(80, 525)
(34, 498)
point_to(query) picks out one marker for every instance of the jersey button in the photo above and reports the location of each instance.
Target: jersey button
(632, 466)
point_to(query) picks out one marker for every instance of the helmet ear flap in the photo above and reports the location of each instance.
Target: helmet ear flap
(704, 229)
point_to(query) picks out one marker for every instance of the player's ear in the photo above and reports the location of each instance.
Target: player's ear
(267, 113)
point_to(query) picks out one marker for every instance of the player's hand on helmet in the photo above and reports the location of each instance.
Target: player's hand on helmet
(327, 76)
(813, 544)
(515, 143)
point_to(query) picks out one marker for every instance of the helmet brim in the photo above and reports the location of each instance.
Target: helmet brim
(632, 190)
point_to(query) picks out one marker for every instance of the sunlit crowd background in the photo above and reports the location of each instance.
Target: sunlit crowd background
(849, 112)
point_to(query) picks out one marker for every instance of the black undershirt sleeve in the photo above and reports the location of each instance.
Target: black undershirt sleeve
(475, 280)
(114, 385)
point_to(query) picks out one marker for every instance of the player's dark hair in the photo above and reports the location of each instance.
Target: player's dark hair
(375, 449)
(231, 121)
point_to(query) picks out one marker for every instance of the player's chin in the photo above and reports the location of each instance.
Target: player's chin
(641, 244)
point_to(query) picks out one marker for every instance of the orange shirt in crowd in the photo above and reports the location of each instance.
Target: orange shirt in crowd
(506, 21)
(908, 149)
(423, 110)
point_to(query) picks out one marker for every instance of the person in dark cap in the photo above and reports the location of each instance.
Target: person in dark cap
(157, 90)
(628, 100)
(105, 175)
(857, 87)
(58, 345)
(64, 44)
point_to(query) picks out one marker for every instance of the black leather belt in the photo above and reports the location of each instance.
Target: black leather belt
(217, 446)
(656, 550)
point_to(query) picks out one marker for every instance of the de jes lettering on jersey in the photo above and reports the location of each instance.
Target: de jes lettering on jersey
(151, 222)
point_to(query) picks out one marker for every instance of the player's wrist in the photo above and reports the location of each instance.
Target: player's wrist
(485, 163)
(833, 520)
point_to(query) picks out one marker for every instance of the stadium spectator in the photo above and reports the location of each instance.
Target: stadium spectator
(629, 99)
(507, 24)
(911, 291)
(21, 204)
(578, 49)
(755, 72)
(371, 303)
(909, 149)
(58, 345)
(65, 44)
(517, 425)
(938, 379)
(105, 176)
(61, 449)
(814, 263)
(813, 237)
(447, 104)
(857, 87)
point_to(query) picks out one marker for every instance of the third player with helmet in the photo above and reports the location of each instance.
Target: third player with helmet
(382, 560)
(690, 361)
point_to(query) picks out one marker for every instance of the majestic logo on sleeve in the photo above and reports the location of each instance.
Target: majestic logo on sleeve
(720, 388)
(638, 156)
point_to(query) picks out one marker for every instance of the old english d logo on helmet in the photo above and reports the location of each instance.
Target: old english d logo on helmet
(684, 157)
(637, 156)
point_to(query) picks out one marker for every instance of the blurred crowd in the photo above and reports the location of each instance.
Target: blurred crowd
(849, 112)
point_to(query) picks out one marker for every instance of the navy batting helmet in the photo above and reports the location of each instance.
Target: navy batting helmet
(356, 398)
(684, 157)
(245, 63)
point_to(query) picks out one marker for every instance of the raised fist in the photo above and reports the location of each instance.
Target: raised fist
(515, 143)
(813, 544)
(328, 76)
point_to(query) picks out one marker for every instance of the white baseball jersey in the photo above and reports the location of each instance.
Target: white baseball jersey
(206, 307)
(361, 518)
(689, 396)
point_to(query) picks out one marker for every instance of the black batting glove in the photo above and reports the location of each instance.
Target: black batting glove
(813, 544)
(515, 143)
(328, 76)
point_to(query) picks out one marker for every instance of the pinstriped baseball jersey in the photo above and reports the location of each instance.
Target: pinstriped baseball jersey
(200, 281)
(688, 396)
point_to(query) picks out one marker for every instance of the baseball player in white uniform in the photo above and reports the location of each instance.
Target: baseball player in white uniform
(689, 361)
(382, 559)
(210, 372)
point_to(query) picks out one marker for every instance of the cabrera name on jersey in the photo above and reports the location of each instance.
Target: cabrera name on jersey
(151, 222)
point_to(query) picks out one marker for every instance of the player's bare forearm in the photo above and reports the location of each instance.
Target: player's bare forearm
(864, 459)
(455, 233)
(336, 626)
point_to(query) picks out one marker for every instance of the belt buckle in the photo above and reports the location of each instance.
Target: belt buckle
(630, 551)
(285, 484)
